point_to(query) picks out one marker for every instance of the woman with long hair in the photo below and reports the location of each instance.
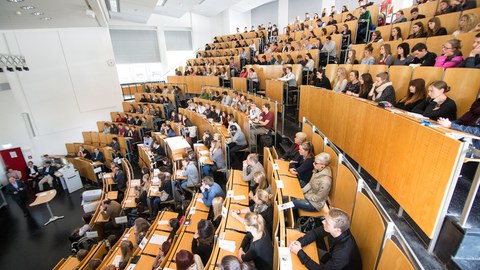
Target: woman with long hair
(403, 55)
(256, 245)
(366, 84)
(438, 104)
(435, 28)
(340, 80)
(368, 58)
(126, 249)
(418, 31)
(383, 90)
(396, 34)
(386, 57)
(354, 85)
(262, 206)
(302, 167)
(202, 243)
(351, 57)
(185, 260)
(416, 94)
(466, 24)
(215, 214)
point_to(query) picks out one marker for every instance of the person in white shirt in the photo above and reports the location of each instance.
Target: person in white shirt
(254, 111)
(289, 78)
(226, 99)
(329, 50)
(310, 63)
(200, 108)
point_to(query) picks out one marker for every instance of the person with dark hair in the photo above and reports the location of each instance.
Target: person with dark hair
(109, 210)
(185, 260)
(418, 31)
(78, 233)
(422, 57)
(237, 143)
(321, 80)
(366, 84)
(415, 15)
(302, 167)
(368, 56)
(343, 254)
(403, 55)
(399, 17)
(438, 105)
(353, 87)
(416, 94)
(162, 253)
(173, 225)
(364, 24)
(473, 59)
(93, 264)
(140, 229)
(210, 190)
(435, 28)
(81, 254)
(396, 34)
(203, 240)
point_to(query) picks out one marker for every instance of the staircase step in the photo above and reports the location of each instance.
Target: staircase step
(465, 264)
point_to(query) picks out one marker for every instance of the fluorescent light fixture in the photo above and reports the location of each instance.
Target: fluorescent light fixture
(15, 1)
(27, 7)
(37, 13)
(163, 3)
(45, 18)
(6, 146)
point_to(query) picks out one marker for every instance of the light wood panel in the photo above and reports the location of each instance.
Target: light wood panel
(392, 258)
(400, 78)
(367, 219)
(346, 184)
(463, 91)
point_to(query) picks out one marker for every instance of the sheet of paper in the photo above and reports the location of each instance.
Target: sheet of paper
(224, 212)
(163, 222)
(92, 234)
(135, 183)
(128, 201)
(131, 267)
(158, 239)
(155, 180)
(229, 193)
(42, 194)
(143, 243)
(203, 159)
(285, 258)
(204, 152)
(285, 206)
(239, 197)
(192, 210)
(200, 200)
(227, 245)
(116, 261)
(276, 167)
(125, 237)
(279, 183)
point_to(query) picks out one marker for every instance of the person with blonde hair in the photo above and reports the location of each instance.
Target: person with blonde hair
(126, 249)
(215, 214)
(316, 191)
(256, 246)
(292, 153)
(260, 183)
(466, 24)
(386, 57)
(383, 89)
(343, 254)
(340, 80)
(262, 206)
(451, 54)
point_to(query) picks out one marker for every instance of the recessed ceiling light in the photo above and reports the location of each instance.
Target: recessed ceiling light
(45, 18)
(37, 13)
(27, 7)
(15, 1)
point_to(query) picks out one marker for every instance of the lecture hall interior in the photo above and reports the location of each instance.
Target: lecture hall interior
(240, 134)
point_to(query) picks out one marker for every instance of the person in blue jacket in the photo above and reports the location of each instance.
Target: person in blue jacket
(210, 190)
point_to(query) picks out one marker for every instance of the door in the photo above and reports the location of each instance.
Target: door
(13, 158)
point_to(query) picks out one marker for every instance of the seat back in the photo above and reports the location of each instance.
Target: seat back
(392, 258)
(376, 69)
(318, 143)
(428, 9)
(434, 44)
(450, 21)
(334, 167)
(331, 71)
(429, 74)
(400, 78)
(360, 68)
(346, 184)
(368, 228)
(464, 92)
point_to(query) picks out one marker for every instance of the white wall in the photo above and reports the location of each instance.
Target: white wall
(239, 19)
(69, 87)
(264, 14)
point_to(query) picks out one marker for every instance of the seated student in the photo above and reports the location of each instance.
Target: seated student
(451, 54)
(204, 94)
(162, 253)
(416, 94)
(383, 90)
(340, 80)
(473, 59)
(256, 246)
(31, 171)
(185, 260)
(93, 264)
(366, 84)
(399, 17)
(468, 122)
(414, 14)
(289, 78)
(435, 28)
(218, 158)
(82, 152)
(203, 240)
(106, 128)
(231, 262)
(261, 183)
(386, 57)
(191, 172)
(460, 5)
(302, 167)
(109, 210)
(237, 143)
(368, 53)
(120, 179)
(210, 190)
(173, 226)
(140, 229)
(289, 60)
(418, 31)
(143, 189)
(443, 7)
(81, 254)
(169, 131)
(376, 37)
(226, 99)
(263, 124)
(354, 85)
(351, 57)
(292, 153)
(344, 253)
(466, 24)
(321, 80)
(126, 248)
(310, 63)
(215, 214)
(328, 51)
(316, 191)
(403, 55)
(250, 166)
(78, 233)
(165, 190)
(438, 105)
(422, 57)
(254, 111)
(279, 60)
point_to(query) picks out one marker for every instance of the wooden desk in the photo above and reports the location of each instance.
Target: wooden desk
(194, 219)
(239, 190)
(165, 216)
(145, 262)
(233, 223)
(70, 264)
(290, 181)
(152, 248)
(231, 236)
(310, 249)
(274, 90)
(46, 197)
(203, 154)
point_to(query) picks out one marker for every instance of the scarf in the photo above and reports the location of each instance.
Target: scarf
(379, 90)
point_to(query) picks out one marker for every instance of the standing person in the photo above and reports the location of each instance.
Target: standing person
(17, 190)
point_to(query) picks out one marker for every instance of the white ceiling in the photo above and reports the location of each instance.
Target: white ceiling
(72, 13)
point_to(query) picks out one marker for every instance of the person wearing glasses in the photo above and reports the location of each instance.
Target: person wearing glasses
(451, 54)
